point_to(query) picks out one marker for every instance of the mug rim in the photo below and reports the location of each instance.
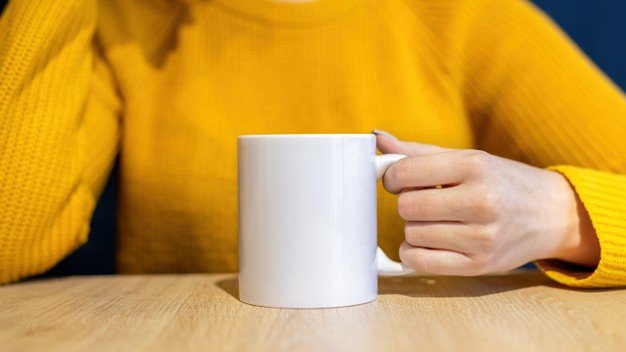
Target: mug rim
(305, 135)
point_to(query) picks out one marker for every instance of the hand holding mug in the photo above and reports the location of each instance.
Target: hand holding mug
(468, 212)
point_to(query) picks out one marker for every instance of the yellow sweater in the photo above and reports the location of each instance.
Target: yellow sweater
(170, 84)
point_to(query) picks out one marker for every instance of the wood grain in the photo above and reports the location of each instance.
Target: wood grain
(518, 311)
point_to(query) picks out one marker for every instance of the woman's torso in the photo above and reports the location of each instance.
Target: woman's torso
(194, 75)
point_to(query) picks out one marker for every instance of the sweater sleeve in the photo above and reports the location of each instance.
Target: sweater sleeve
(58, 131)
(534, 96)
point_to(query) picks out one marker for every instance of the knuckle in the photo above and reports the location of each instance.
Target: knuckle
(481, 264)
(477, 161)
(487, 239)
(487, 205)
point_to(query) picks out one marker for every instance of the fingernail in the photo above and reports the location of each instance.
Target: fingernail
(385, 134)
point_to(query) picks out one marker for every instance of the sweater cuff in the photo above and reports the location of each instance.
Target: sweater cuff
(603, 195)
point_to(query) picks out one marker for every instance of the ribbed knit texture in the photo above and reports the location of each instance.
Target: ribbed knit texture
(604, 196)
(170, 84)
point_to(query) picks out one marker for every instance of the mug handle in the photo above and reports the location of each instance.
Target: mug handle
(386, 266)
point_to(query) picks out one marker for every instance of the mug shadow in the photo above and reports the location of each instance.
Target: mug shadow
(430, 286)
(230, 286)
(460, 286)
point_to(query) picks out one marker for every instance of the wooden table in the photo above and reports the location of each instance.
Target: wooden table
(519, 311)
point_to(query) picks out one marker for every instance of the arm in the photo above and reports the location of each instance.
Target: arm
(58, 132)
(535, 97)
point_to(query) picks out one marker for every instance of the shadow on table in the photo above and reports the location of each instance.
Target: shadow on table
(459, 286)
(442, 286)
(230, 286)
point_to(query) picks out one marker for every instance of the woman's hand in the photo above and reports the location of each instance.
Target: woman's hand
(470, 213)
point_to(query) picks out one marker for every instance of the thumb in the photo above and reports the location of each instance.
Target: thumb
(389, 144)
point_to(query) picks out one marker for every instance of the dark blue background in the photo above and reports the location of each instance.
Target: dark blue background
(598, 27)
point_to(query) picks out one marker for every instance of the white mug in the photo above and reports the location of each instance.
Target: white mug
(307, 220)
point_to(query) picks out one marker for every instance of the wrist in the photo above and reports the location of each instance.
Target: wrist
(577, 241)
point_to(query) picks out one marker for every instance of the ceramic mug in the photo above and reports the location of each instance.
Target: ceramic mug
(307, 220)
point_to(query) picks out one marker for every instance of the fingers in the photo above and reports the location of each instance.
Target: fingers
(429, 165)
(424, 171)
(448, 231)
(390, 145)
(453, 236)
(448, 204)
(437, 261)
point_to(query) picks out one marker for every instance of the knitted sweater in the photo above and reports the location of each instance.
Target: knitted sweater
(168, 85)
